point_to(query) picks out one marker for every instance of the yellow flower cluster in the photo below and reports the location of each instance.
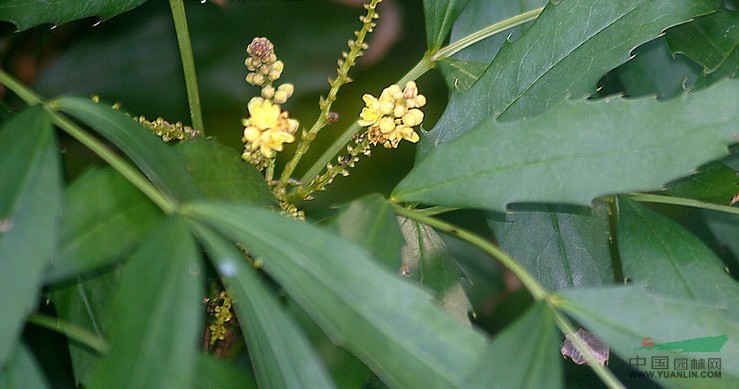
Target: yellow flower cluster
(391, 117)
(223, 315)
(267, 128)
(262, 62)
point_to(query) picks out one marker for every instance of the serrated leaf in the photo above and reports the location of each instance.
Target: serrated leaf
(707, 40)
(157, 313)
(624, 316)
(562, 247)
(440, 17)
(391, 325)
(666, 258)
(572, 44)
(427, 260)
(729, 68)
(23, 371)
(524, 355)
(30, 13)
(713, 183)
(461, 75)
(220, 173)
(370, 223)
(280, 352)
(104, 219)
(159, 162)
(577, 152)
(30, 204)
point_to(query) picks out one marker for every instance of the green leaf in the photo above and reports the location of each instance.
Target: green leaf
(461, 75)
(23, 371)
(707, 40)
(427, 261)
(577, 152)
(666, 258)
(440, 16)
(562, 247)
(86, 304)
(370, 223)
(30, 204)
(221, 174)
(280, 352)
(215, 373)
(624, 316)
(157, 313)
(30, 13)
(161, 164)
(94, 237)
(524, 355)
(391, 325)
(729, 68)
(566, 51)
(713, 183)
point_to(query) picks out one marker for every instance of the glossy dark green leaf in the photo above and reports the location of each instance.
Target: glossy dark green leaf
(572, 44)
(713, 183)
(707, 40)
(104, 219)
(666, 258)
(461, 75)
(578, 151)
(440, 17)
(624, 316)
(221, 174)
(215, 373)
(524, 355)
(30, 204)
(86, 303)
(426, 260)
(157, 313)
(159, 162)
(391, 325)
(370, 223)
(725, 229)
(23, 371)
(729, 68)
(562, 247)
(281, 354)
(29, 13)
(482, 13)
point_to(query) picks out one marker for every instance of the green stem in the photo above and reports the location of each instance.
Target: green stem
(484, 33)
(533, 286)
(71, 331)
(188, 63)
(567, 328)
(99, 148)
(652, 198)
(420, 69)
(436, 210)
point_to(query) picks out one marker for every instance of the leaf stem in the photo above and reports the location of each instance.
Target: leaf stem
(188, 63)
(97, 147)
(533, 286)
(484, 33)
(567, 328)
(653, 198)
(71, 331)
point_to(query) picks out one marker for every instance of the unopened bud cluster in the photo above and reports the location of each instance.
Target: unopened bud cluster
(166, 130)
(268, 127)
(223, 314)
(392, 116)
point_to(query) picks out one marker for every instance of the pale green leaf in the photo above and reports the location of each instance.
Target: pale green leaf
(281, 354)
(460, 75)
(707, 40)
(158, 161)
(218, 373)
(157, 313)
(666, 258)
(440, 16)
(572, 44)
(391, 325)
(524, 355)
(29, 13)
(624, 316)
(562, 247)
(23, 371)
(30, 205)
(96, 236)
(579, 151)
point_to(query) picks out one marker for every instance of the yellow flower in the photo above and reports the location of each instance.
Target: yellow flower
(268, 127)
(392, 116)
